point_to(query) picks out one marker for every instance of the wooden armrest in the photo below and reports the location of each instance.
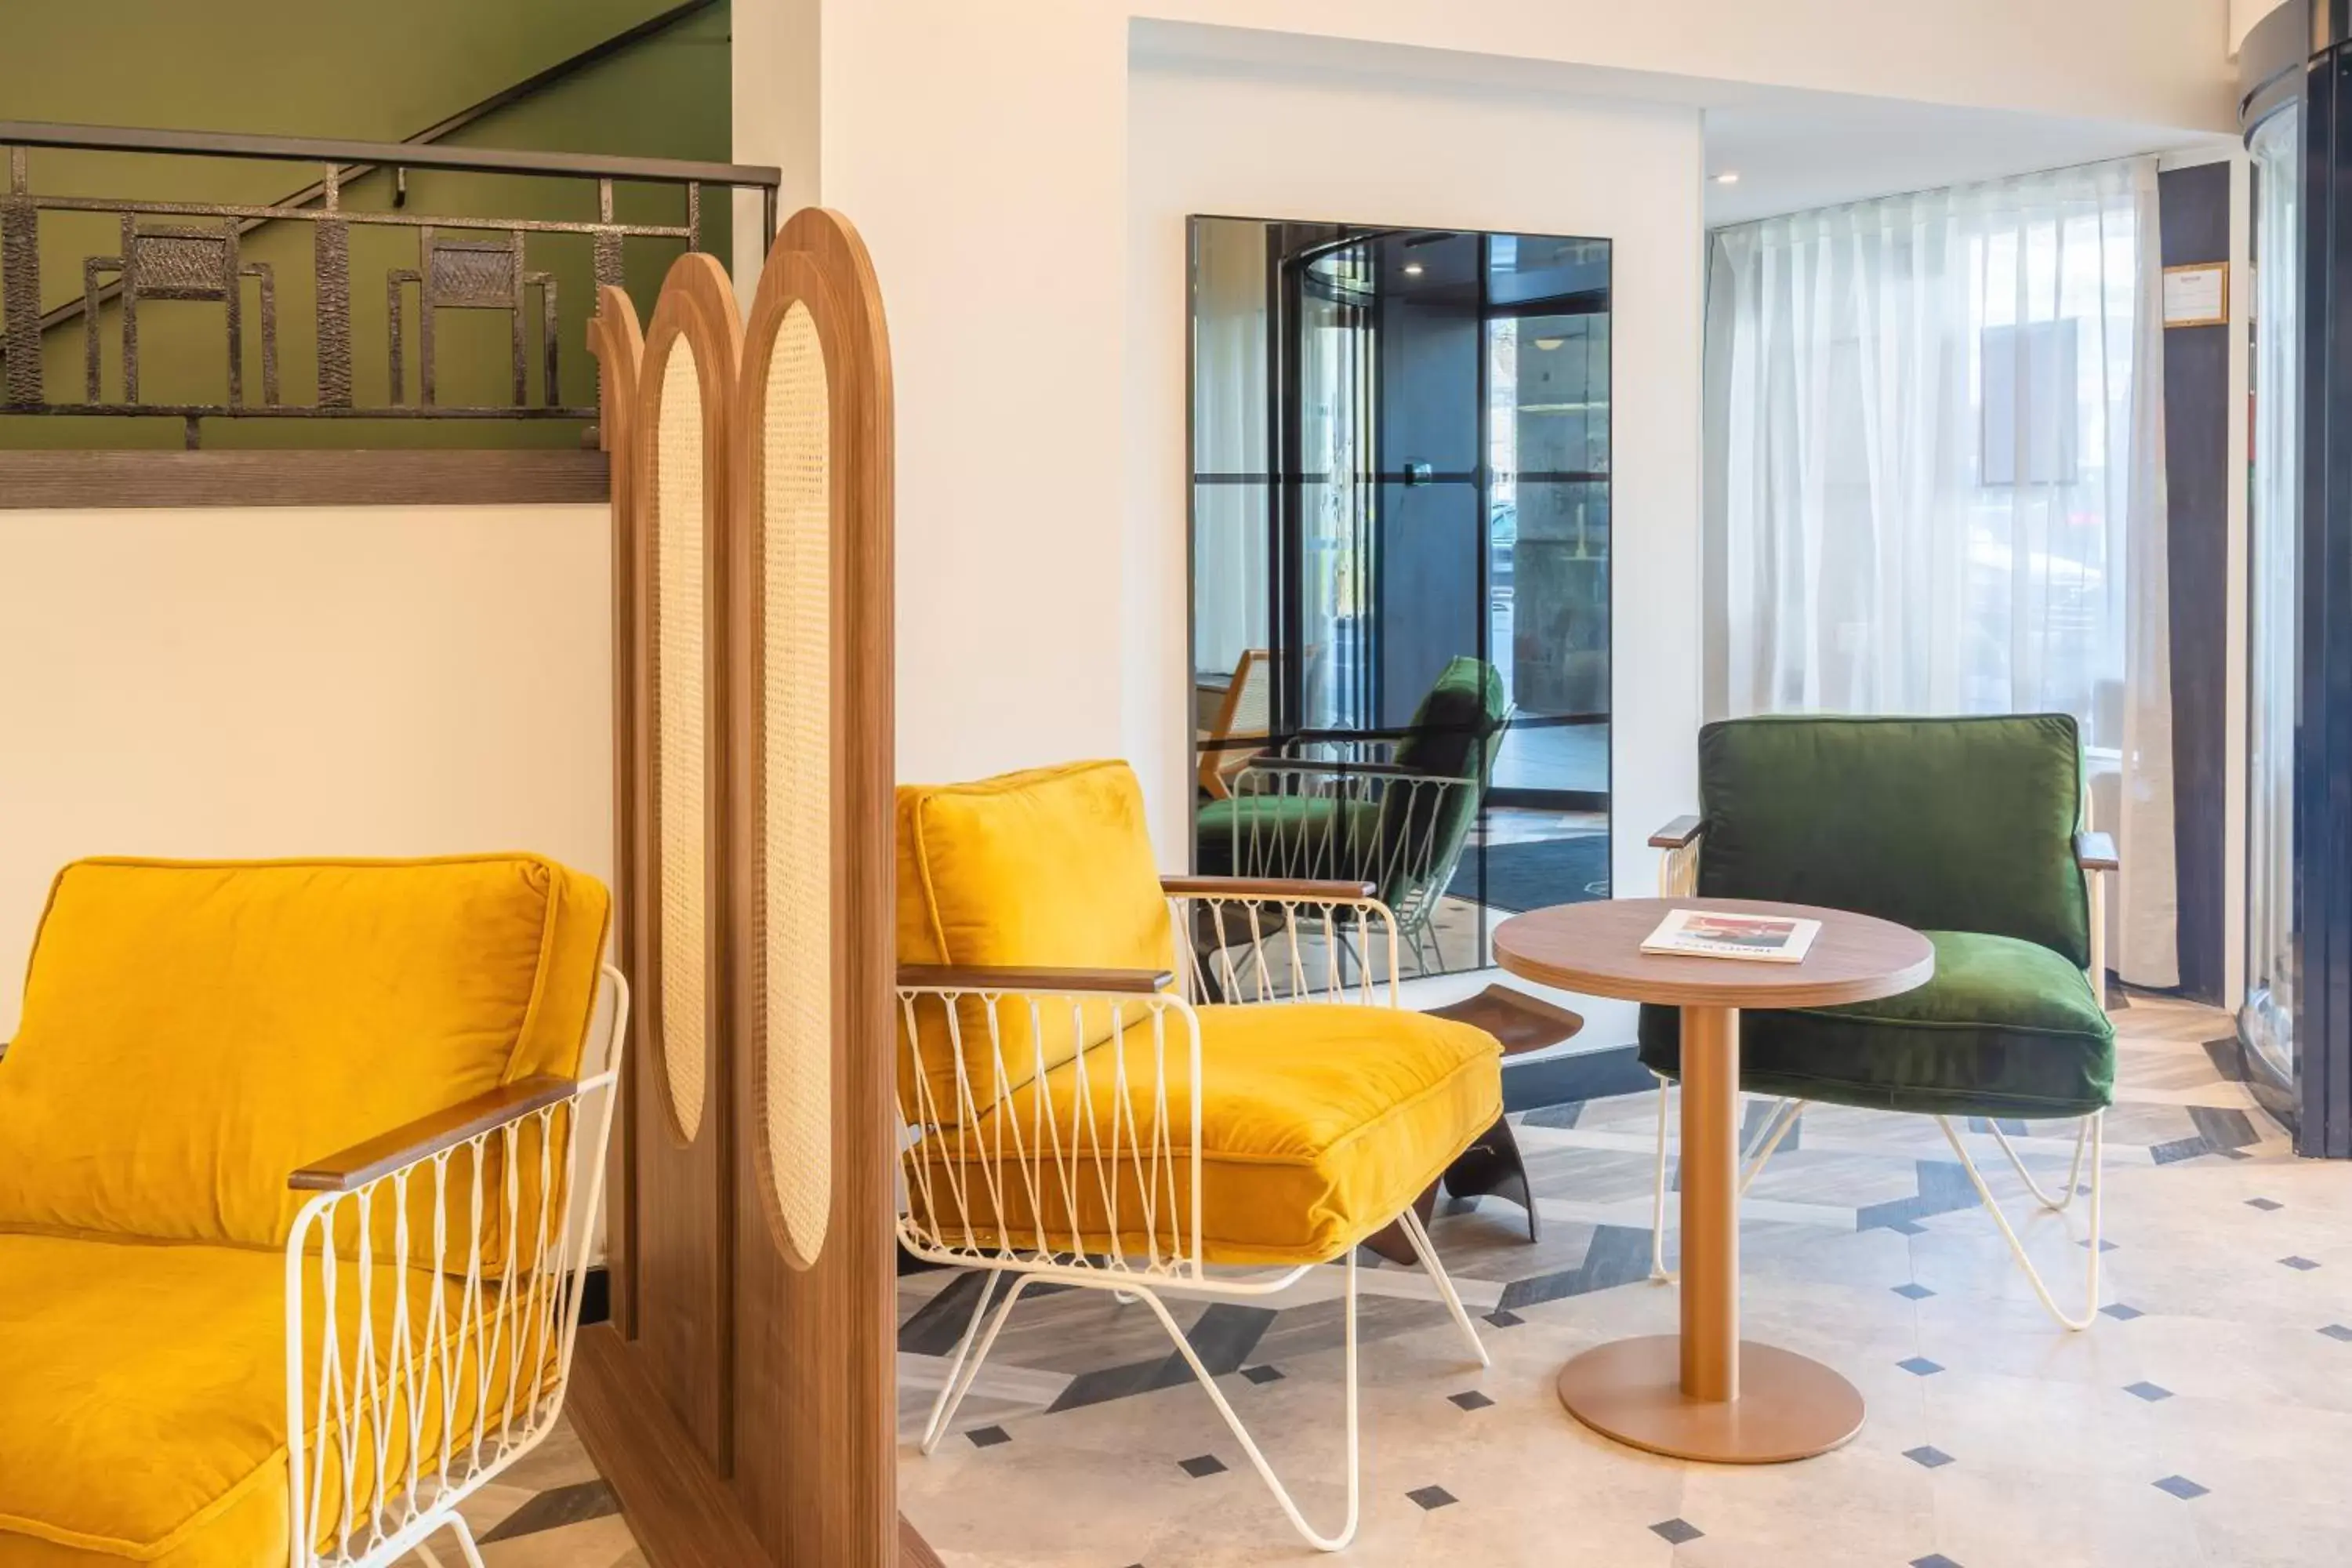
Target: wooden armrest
(361, 1163)
(1011, 977)
(1677, 834)
(2096, 852)
(1306, 890)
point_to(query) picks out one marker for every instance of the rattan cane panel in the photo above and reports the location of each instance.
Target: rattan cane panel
(796, 692)
(681, 667)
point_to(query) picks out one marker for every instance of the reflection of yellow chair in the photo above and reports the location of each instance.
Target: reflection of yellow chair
(1242, 724)
(198, 1042)
(1075, 1114)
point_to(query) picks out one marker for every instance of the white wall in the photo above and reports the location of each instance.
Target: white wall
(364, 680)
(983, 152)
(2243, 14)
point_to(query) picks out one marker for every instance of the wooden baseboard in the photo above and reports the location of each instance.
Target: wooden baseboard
(107, 480)
(682, 1513)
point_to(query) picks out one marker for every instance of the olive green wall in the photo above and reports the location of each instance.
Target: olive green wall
(376, 76)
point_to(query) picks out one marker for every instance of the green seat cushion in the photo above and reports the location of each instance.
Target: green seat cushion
(1962, 823)
(2005, 1028)
(1289, 835)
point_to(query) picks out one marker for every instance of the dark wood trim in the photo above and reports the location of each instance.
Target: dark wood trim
(1677, 834)
(1519, 1022)
(1306, 888)
(2096, 852)
(95, 481)
(380, 1156)
(618, 342)
(1023, 977)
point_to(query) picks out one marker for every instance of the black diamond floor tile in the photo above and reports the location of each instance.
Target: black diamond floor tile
(1913, 1292)
(2121, 1313)
(1432, 1497)
(988, 1437)
(1929, 1457)
(1676, 1531)
(2300, 1265)
(2338, 1331)
(2182, 1488)
(1261, 1373)
(2150, 1392)
(1470, 1399)
(1202, 1464)
(2266, 1205)
(1920, 1366)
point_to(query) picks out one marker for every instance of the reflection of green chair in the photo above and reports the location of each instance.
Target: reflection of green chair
(1347, 812)
(1966, 830)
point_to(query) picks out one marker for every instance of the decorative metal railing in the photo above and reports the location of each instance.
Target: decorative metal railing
(183, 250)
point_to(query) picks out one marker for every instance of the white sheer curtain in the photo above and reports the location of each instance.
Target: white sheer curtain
(1936, 483)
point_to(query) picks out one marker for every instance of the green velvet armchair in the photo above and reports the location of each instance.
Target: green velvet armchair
(1968, 830)
(1395, 814)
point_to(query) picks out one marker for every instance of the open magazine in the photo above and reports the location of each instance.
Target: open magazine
(1712, 933)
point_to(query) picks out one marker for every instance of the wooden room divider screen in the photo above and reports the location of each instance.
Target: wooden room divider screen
(742, 1401)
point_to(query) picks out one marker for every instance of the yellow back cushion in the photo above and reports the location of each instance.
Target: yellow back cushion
(193, 1033)
(1052, 868)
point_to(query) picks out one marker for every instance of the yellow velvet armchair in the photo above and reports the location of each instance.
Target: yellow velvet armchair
(291, 1230)
(1077, 1112)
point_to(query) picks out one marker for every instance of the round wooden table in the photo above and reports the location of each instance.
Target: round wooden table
(1705, 1393)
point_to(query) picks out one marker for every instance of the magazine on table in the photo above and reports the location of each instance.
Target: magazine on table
(1715, 934)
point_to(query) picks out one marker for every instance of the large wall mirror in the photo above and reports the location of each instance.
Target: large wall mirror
(1400, 567)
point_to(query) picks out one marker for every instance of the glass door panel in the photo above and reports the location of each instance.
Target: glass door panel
(2274, 946)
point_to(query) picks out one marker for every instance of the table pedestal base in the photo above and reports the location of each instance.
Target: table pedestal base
(1789, 1406)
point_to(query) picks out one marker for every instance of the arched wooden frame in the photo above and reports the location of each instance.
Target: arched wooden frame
(685, 1215)
(818, 1403)
(619, 346)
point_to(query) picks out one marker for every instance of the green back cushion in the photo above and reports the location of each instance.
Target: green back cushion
(1453, 729)
(1454, 734)
(1937, 823)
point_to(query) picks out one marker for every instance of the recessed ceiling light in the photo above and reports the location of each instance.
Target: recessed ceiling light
(1547, 344)
(1728, 177)
(1413, 268)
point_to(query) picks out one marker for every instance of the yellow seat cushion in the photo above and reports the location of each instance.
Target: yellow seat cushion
(193, 1033)
(1051, 866)
(1319, 1123)
(143, 1400)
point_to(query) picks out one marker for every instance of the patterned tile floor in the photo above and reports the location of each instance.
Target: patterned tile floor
(2201, 1422)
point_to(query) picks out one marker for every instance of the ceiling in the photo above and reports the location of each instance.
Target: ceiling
(1794, 148)
(1799, 151)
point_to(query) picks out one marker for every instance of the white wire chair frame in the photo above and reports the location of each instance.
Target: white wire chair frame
(1141, 1237)
(1678, 879)
(1403, 832)
(398, 1410)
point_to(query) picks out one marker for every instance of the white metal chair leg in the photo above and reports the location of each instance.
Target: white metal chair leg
(937, 1424)
(1427, 1249)
(2096, 1130)
(2073, 1171)
(465, 1535)
(1658, 1269)
(952, 1397)
(1249, 1446)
